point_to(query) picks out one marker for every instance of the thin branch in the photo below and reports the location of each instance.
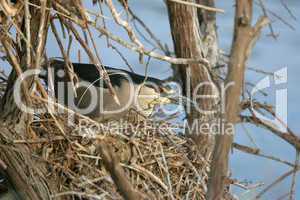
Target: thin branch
(123, 58)
(288, 10)
(278, 17)
(28, 33)
(292, 139)
(124, 24)
(170, 191)
(69, 66)
(15, 64)
(283, 21)
(150, 33)
(262, 5)
(41, 33)
(257, 152)
(278, 180)
(117, 173)
(199, 6)
(81, 195)
(177, 61)
(293, 185)
(99, 66)
(172, 60)
(10, 10)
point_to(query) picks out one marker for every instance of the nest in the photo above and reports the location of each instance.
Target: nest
(157, 163)
(85, 159)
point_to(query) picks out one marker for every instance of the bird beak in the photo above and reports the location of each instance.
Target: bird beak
(165, 92)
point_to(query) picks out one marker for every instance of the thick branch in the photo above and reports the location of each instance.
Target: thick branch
(244, 38)
(117, 173)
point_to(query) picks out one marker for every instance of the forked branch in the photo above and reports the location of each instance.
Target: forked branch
(245, 36)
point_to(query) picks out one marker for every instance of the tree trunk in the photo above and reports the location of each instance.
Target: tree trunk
(26, 175)
(194, 36)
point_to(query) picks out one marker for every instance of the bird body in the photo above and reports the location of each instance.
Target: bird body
(93, 98)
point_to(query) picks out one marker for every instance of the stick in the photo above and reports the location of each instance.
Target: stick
(199, 6)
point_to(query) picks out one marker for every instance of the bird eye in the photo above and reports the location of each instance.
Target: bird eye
(60, 73)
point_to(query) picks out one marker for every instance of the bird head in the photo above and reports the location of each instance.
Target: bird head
(151, 95)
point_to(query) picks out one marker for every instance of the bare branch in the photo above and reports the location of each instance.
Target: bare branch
(262, 5)
(177, 61)
(99, 66)
(278, 180)
(124, 24)
(199, 6)
(256, 151)
(15, 64)
(288, 9)
(292, 139)
(28, 34)
(117, 173)
(293, 185)
(9, 9)
(245, 37)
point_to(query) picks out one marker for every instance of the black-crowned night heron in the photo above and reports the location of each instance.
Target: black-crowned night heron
(93, 98)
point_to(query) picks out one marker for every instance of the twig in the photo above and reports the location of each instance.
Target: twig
(289, 10)
(99, 66)
(284, 196)
(10, 10)
(147, 173)
(40, 140)
(117, 173)
(249, 136)
(177, 61)
(172, 60)
(279, 18)
(292, 139)
(124, 24)
(69, 44)
(246, 187)
(148, 30)
(123, 58)
(170, 191)
(28, 33)
(266, 14)
(41, 34)
(278, 180)
(15, 64)
(69, 66)
(293, 185)
(79, 194)
(256, 151)
(199, 6)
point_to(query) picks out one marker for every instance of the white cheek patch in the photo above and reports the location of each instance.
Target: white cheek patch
(146, 100)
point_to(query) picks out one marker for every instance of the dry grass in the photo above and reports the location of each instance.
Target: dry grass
(158, 163)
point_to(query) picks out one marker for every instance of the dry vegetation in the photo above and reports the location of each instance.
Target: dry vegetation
(46, 158)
